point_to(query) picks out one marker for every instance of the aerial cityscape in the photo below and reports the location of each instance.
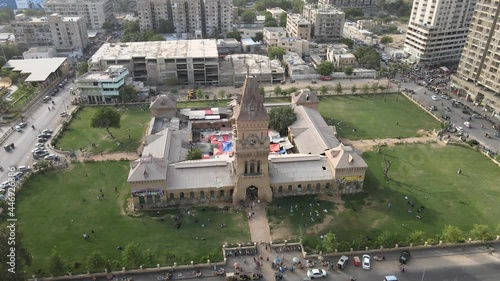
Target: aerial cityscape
(249, 140)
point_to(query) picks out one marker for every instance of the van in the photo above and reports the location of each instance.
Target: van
(390, 278)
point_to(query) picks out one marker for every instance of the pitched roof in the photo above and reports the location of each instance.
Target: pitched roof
(298, 168)
(304, 96)
(344, 156)
(163, 101)
(147, 169)
(311, 133)
(251, 105)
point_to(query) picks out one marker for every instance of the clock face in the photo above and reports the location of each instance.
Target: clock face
(252, 140)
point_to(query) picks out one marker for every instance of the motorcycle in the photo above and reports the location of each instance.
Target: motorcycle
(33, 127)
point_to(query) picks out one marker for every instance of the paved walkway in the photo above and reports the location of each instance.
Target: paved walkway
(109, 156)
(258, 224)
(366, 145)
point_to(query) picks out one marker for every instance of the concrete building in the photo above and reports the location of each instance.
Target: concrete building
(477, 74)
(276, 12)
(272, 35)
(235, 68)
(290, 44)
(298, 68)
(339, 55)
(297, 26)
(248, 167)
(183, 62)
(228, 46)
(54, 30)
(197, 18)
(327, 22)
(349, 3)
(102, 86)
(95, 12)
(40, 52)
(437, 31)
(41, 72)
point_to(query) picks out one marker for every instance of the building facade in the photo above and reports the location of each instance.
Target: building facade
(290, 44)
(297, 26)
(40, 53)
(54, 30)
(327, 22)
(437, 31)
(105, 86)
(349, 3)
(197, 18)
(271, 35)
(95, 12)
(276, 12)
(339, 55)
(477, 74)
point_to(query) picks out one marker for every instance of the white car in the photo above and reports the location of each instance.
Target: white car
(467, 124)
(63, 114)
(51, 157)
(40, 145)
(18, 129)
(342, 262)
(459, 129)
(316, 273)
(475, 115)
(47, 132)
(434, 97)
(24, 168)
(366, 262)
(5, 184)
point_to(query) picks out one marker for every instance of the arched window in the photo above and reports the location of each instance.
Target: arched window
(327, 186)
(318, 187)
(280, 189)
(258, 167)
(252, 168)
(212, 194)
(309, 187)
(221, 193)
(299, 188)
(202, 194)
(290, 189)
(191, 195)
(171, 196)
(181, 195)
(246, 167)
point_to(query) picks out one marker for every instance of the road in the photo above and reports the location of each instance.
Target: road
(471, 263)
(457, 117)
(25, 141)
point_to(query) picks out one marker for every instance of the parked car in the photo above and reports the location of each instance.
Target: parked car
(52, 157)
(404, 257)
(18, 175)
(42, 140)
(22, 124)
(326, 78)
(342, 262)
(17, 128)
(447, 109)
(40, 145)
(283, 82)
(47, 131)
(478, 116)
(445, 97)
(316, 273)
(41, 153)
(366, 262)
(46, 136)
(467, 124)
(5, 184)
(445, 117)
(64, 114)
(292, 80)
(46, 99)
(24, 168)
(434, 97)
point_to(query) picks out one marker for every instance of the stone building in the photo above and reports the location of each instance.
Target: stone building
(310, 161)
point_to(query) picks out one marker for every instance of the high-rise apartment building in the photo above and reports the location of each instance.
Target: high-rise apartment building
(54, 30)
(349, 3)
(297, 26)
(437, 30)
(477, 74)
(194, 17)
(327, 22)
(95, 12)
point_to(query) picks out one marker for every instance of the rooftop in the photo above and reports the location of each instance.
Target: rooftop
(39, 69)
(342, 157)
(200, 174)
(298, 168)
(274, 29)
(46, 19)
(199, 48)
(241, 64)
(298, 18)
(41, 49)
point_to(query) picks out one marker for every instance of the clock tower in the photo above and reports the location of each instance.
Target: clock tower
(250, 123)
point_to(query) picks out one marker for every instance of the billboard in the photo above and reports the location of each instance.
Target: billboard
(29, 4)
(10, 4)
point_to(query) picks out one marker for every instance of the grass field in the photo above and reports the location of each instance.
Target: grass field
(391, 116)
(428, 176)
(79, 134)
(56, 208)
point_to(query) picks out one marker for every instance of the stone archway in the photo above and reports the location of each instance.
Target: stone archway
(252, 193)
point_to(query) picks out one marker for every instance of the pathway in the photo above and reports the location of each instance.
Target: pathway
(259, 227)
(109, 156)
(367, 145)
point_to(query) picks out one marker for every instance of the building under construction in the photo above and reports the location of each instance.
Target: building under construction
(234, 68)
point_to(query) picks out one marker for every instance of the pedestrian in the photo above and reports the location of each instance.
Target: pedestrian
(92, 231)
(459, 171)
(397, 123)
(116, 189)
(402, 270)
(100, 190)
(98, 197)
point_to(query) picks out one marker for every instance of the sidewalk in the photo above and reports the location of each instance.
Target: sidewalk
(107, 157)
(258, 225)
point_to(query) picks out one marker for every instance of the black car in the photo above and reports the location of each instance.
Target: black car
(404, 257)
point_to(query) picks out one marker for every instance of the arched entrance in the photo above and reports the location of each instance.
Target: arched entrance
(252, 193)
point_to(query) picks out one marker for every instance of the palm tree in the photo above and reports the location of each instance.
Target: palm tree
(354, 89)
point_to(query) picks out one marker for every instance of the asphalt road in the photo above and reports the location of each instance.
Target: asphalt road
(25, 141)
(456, 116)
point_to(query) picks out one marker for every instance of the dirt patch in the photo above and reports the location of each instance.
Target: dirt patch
(367, 145)
(280, 232)
(321, 226)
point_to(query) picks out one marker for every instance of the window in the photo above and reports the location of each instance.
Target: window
(309, 188)
(221, 193)
(318, 187)
(181, 195)
(202, 194)
(171, 196)
(212, 194)
(280, 189)
(191, 195)
(290, 188)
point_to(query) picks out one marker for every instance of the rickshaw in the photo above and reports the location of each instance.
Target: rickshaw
(357, 261)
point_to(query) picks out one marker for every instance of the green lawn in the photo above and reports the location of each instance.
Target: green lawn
(56, 208)
(79, 134)
(428, 176)
(377, 117)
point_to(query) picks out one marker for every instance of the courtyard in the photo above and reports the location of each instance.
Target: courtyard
(375, 116)
(79, 135)
(425, 175)
(55, 209)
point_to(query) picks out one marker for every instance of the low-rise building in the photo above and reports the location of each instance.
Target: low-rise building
(41, 71)
(249, 32)
(273, 34)
(364, 24)
(339, 55)
(327, 21)
(235, 68)
(291, 44)
(276, 12)
(228, 46)
(297, 26)
(102, 86)
(40, 52)
(298, 68)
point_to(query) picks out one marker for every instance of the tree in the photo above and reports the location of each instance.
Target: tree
(297, 6)
(385, 239)
(83, 67)
(194, 154)
(107, 25)
(221, 94)
(199, 93)
(416, 237)
(386, 39)
(6, 15)
(323, 89)
(128, 94)
(349, 42)
(259, 37)
(132, 256)
(368, 57)
(283, 17)
(272, 23)
(280, 118)
(365, 89)
(275, 53)
(57, 266)
(374, 87)
(150, 258)
(481, 232)
(248, 16)
(452, 234)
(22, 256)
(164, 26)
(262, 91)
(96, 262)
(349, 70)
(234, 34)
(105, 118)
(156, 37)
(338, 88)
(14, 76)
(277, 90)
(326, 68)
(329, 242)
(353, 13)
(354, 89)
